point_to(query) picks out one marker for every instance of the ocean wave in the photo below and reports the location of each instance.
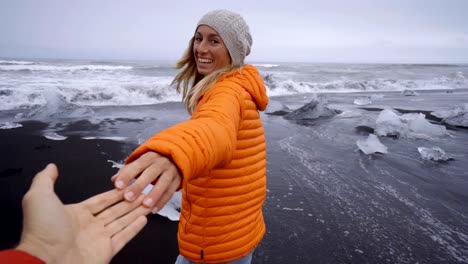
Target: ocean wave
(278, 84)
(152, 67)
(145, 90)
(40, 67)
(113, 83)
(148, 69)
(85, 92)
(129, 95)
(15, 62)
(431, 65)
(9, 125)
(26, 99)
(267, 65)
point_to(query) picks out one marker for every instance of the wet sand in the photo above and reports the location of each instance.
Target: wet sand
(84, 171)
(326, 203)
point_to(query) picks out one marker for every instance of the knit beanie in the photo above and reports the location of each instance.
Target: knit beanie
(234, 31)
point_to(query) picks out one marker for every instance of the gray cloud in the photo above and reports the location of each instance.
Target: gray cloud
(331, 31)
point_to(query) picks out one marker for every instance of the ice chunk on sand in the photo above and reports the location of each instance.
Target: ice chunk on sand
(409, 93)
(9, 125)
(371, 145)
(376, 96)
(275, 106)
(116, 164)
(54, 136)
(388, 123)
(418, 123)
(451, 112)
(314, 109)
(414, 125)
(107, 138)
(172, 209)
(435, 154)
(362, 101)
(350, 114)
(457, 116)
(460, 120)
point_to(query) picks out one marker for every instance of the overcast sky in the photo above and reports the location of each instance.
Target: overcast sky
(394, 31)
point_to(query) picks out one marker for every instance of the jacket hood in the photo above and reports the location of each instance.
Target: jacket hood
(249, 78)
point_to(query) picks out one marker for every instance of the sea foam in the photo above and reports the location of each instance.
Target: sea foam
(23, 84)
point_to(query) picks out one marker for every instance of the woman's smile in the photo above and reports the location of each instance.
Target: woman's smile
(209, 50)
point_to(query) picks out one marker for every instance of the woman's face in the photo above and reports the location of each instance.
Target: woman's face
(209, 50)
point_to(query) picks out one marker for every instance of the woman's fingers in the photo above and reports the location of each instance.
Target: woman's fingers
(162, 191)
(100, 202)
(120, 239)
(112, 213)
(114, 177)
(132, 170)
(166, 197)
(149, 167)
(148, 176)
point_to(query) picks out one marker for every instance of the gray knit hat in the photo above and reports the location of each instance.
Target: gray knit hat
(234, 31)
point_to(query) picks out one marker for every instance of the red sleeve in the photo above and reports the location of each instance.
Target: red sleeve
(18, 257)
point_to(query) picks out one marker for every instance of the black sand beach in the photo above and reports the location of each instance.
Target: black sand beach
(84, 171)
(327, 202)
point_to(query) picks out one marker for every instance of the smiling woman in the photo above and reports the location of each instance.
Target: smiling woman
(218, 157)
(209, 50)
(220, 44)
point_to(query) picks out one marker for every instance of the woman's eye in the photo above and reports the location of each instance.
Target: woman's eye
(197, 39)
(214, 41)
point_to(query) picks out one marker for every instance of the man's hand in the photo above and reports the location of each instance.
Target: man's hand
(92, 231)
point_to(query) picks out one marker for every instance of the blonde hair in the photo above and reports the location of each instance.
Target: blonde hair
(192, 84)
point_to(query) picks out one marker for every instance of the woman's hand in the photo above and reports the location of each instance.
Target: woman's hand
(149, 167)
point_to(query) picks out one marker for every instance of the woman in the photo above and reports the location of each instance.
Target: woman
(218, 157)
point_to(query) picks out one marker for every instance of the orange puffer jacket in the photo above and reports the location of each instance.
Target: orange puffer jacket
(221, 153)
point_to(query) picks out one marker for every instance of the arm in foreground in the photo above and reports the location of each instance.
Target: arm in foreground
(92, 231)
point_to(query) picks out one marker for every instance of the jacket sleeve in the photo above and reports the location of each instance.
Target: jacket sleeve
(205, 141)
(18, 257)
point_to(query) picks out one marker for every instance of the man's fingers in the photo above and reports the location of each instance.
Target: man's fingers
(46, 178)
(100, 202)
(110, 214)
(42, 186)
(119, 224)
(120, 239)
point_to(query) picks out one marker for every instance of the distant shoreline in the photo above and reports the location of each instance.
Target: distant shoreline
(173, 61)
